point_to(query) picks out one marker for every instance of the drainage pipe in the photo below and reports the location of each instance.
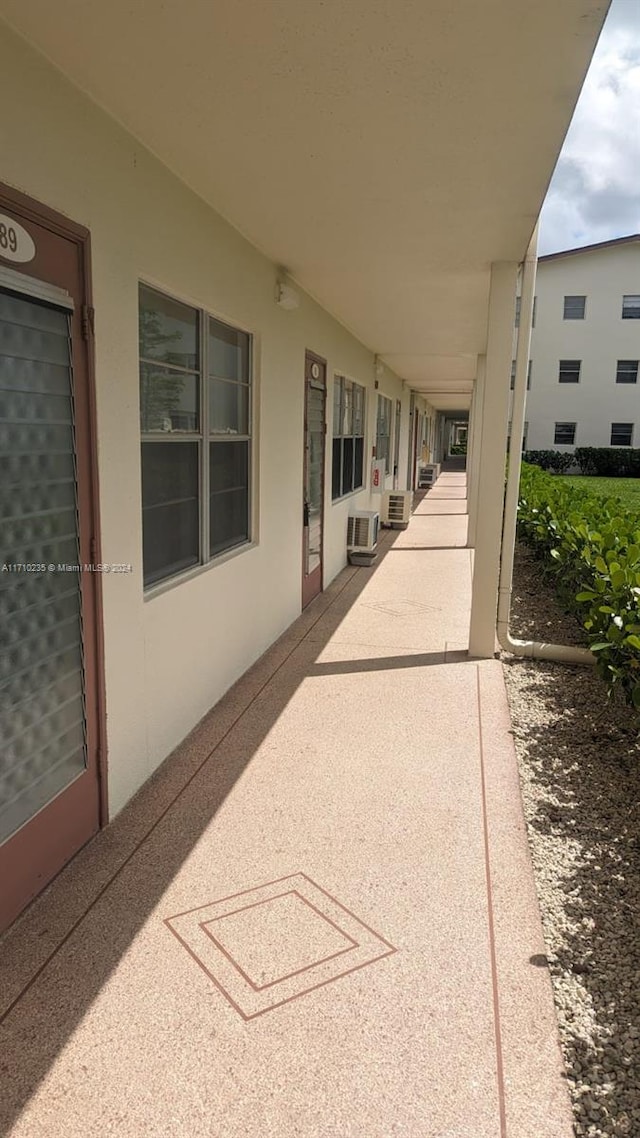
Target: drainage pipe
(536, 649)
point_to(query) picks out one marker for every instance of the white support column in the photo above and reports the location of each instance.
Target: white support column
(441, 450)
(473, 458)
(469, 455)
(491, 459)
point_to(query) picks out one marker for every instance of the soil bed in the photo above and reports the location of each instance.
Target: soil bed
(579, 758)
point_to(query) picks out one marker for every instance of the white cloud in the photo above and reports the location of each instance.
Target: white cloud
(595, 191)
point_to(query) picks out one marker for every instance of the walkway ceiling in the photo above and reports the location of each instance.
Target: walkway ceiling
(384, 151)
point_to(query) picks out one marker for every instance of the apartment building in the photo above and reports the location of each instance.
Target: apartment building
(585, 348)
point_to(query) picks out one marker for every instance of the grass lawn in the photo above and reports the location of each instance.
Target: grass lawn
(628, 489)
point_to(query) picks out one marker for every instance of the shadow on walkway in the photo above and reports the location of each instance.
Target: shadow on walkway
(352, 754)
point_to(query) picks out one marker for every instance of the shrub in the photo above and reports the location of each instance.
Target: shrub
(609, 462)
(558, 461)
(591, 545)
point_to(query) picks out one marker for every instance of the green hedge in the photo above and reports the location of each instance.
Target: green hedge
(557, 460)
(591, 545)
(609, 462)
(606, 462)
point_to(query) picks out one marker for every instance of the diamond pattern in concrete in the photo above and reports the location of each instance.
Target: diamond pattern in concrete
(269, 945)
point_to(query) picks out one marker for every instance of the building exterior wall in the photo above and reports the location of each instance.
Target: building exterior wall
(169, 657)
(603, 275)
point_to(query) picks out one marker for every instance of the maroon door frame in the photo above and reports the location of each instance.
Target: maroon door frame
(42, 846)
(396, 444)
(312, 583)
(414, 465)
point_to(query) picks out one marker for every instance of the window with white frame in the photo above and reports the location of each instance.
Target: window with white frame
(383, 432)
(564, 434)
(631, 307)
(627, 371)
(195, 421)
(347, 471)
(574, 307)
(621, 434)
(513, 374)
(569, 371)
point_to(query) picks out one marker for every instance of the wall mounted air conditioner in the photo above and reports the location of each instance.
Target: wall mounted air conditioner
(396, 508)
(362, 531)
(427, 474)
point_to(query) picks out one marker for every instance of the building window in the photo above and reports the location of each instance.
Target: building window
(621, 434)
(533, 314)
(627, 371)
(574, 307)
(348, 437)
(383, 432)
(195, 421)
(565, 434)
(569, 371)
(631, 307)
(513, 374)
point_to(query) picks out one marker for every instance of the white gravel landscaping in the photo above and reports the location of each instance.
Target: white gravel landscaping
(579, 762)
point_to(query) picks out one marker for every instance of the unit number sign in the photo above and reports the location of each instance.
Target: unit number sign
(15, 243)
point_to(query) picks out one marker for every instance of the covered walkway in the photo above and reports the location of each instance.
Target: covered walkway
(319, 917)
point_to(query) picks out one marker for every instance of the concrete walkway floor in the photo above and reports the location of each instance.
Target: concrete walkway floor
(319, 917)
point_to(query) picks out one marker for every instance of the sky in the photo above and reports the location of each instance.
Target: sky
(595, 191)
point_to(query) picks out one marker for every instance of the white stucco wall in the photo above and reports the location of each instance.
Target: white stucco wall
(603, 275)
(169, 658)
